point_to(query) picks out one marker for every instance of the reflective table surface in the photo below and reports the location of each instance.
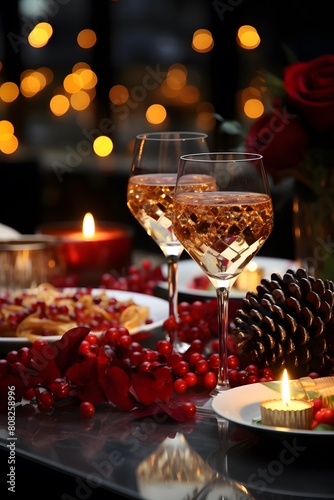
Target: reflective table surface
(117, 455)
(156, 458)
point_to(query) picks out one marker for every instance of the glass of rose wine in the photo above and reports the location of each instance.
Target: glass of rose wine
(222, 227)
(150, 199)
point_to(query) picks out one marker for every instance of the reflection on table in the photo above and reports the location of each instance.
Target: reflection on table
(155, 457)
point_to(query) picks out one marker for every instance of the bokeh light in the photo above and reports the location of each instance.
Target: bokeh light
(8, 141)
(155, 114)
(80, 100)
(40, 35)
(103, 146)
(9, 91)
(202, 41)
(86, 39)
(59, 104)
(253, 108)
(118, 94)
(248, 37)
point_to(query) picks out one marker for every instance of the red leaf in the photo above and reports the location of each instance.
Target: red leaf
(85, 377)
(150, 387)
(42, 361)
(67, 347)
(116, 384)
(83, 372)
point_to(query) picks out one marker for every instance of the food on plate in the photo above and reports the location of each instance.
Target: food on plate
(46, 310)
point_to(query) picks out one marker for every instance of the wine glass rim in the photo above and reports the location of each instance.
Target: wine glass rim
(223, 156)
(168, 135)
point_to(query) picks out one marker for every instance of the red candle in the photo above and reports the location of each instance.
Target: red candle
(90, 251)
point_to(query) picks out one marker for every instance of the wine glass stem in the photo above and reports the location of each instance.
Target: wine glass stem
(172, 268)
(223, 297)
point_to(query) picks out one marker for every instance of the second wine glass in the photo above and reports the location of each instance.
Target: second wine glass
(150, 199)
(223, 214)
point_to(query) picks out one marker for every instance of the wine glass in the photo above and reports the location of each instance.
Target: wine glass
(150, 199)
(223, 214)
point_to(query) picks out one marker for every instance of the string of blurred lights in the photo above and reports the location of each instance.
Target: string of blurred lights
(78, 89)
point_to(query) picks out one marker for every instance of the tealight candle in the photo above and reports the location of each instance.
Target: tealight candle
(92, 250)
(286, 412)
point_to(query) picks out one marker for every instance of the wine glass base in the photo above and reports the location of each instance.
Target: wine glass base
(220, 388)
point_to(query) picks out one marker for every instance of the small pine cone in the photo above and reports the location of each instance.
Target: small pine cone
(288, 323)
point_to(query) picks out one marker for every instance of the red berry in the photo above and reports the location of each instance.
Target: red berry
(181, 368)
(180, 385)
(313, 375)
(210, 380)
(46, 399)
(252, 369)
(124, 341)
(59, 387)
(242, 377)
(190, 379)
(84, 347)
(215, 345)
(4, 367)
(232, 361)
(233, 377)
(12, 357)
(194, 357)
(145, 366)
(325, 416)
(87, 409)
(267, 373)
(317, 405)
(252, 379)
(23, 355)
(189, 410)
(202, 366)
(92, 339)
(136, 358)
(164, 347)
(214, 361)
(29, 394)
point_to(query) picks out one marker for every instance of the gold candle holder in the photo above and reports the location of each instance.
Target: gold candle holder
(296, 414)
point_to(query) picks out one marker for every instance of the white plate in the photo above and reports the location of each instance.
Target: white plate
(188, 270)
(241, 405)
(158, 313)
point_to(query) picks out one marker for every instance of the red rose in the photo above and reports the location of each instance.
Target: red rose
(310, 88)
(280, 138)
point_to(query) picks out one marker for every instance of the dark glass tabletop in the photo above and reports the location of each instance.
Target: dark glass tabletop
(117, 455)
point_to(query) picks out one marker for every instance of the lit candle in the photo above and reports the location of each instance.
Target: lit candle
(91, 250)
(287, 412)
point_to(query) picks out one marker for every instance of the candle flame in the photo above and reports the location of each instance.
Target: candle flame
(88, 226)
(285, 388)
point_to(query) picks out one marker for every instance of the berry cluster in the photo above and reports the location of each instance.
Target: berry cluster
(193, 371)
(322, 415)
(136, 279)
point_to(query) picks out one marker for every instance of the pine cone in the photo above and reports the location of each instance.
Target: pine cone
(288, 323)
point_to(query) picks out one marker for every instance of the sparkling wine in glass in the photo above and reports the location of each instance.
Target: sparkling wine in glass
(224, 227)
(150, 198)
